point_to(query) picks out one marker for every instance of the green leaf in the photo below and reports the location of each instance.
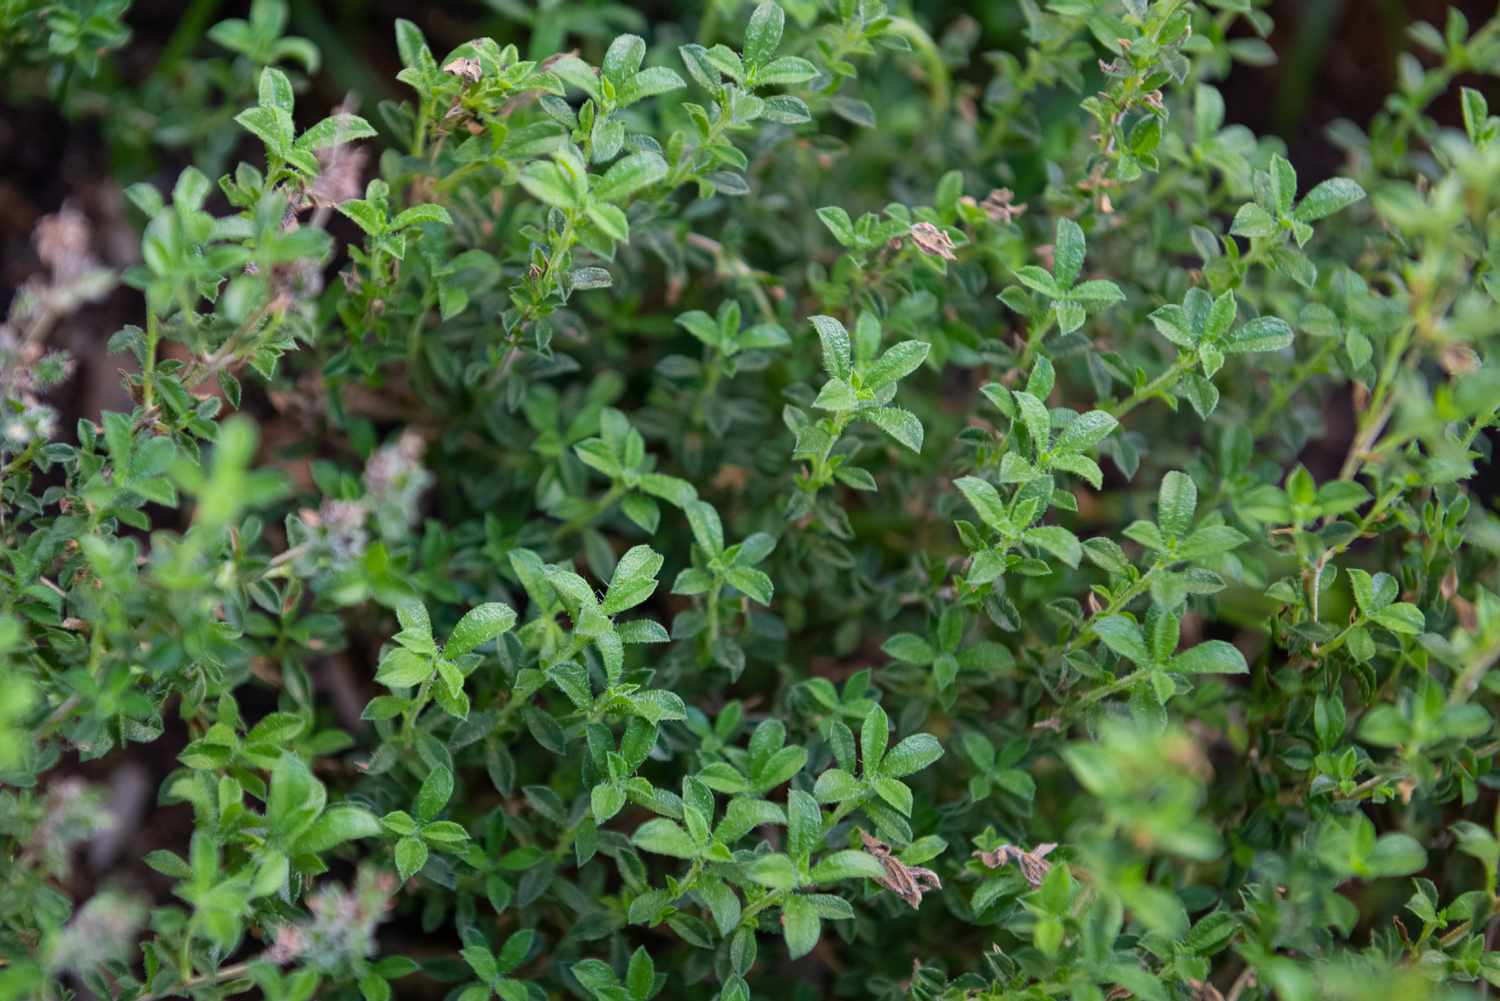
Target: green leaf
(784, 72)
(1070, 316)
(1201, 393)
(1331, 196)
(336, 825)
(1036, 418)
(271, 126)
(707, 529)
(611, 221)
(986, 502)
(478, 626)
(894, 792)
(838, 223)
(1171, 321)
(629, 175)
(836, 395)
(1086, 431)
(1176, 502)
(722, 903)
(422, 213)
(481, 961)
(1080, 465)
(804, 824)
(634, 580)
(623, 58)
(911, 755)
(605, 800)
(444, 832)
(640, 974)
(909, 648)
(874, 732)
(664, 837)
(901, 425)
(1253, 221)
(1209, 541)
(847, 865)
(296, 798)
(896, 363)
(800, 926)
(1042, 378)
(1295, 265)
(402, 668)
(836, 785)
(399, 822)
(1056, 540)
(1401, 617)
(775, 871)
(335, 130)
(546, 182)
(1067, 253)
(755, 584)
(1283, 183)
(1039, 280)
(436, 789)
(411, 855)
(1221, 316)
(763, 33)
(836, 349)
(364, 215)
(1264, 333)
(1097, 291)
(1362, 585)
(1210, 657)
(1123, 637)
(649, 82)
(274, 90)
(1211, 358)
(1396, 855)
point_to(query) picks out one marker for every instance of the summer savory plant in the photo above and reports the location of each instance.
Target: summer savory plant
(782, 505)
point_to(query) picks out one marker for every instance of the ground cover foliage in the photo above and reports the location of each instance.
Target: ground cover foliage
(764, 516)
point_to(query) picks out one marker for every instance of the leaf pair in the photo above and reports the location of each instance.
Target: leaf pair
(1071, 300)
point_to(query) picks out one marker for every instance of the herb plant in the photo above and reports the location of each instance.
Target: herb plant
(782, 505)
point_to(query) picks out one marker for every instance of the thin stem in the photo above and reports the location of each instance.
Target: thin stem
(596, 510)
(1468, 682)
(1155, 387)
(1284, 389)
(59, 716)
(1336, 642)
(1118, 685)
(1373, 420)
(769, 900)
(148, 371)
(1087, 635)
(203, 980)
(409, 718)
(713, 613)
(1241, 982)
(1034, 341)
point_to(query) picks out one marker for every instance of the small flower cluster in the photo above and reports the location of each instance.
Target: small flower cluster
(341, 931)
(72, 280)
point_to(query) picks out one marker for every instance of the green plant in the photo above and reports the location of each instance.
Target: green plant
(1022, 639)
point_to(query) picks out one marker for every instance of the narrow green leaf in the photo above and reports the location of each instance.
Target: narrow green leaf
(478, 626)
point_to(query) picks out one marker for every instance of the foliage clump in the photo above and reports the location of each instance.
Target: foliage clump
(761, 516)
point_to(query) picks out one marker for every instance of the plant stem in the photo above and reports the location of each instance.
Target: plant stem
(203, 980)
(148, 370)
(579, 522)
(1156, 386)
